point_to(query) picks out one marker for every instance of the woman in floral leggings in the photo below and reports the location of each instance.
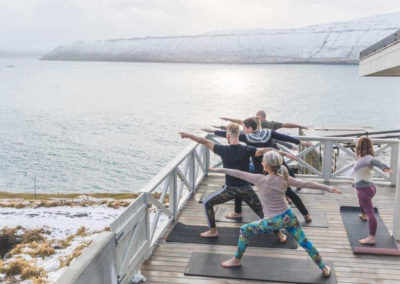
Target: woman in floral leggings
(277, 212)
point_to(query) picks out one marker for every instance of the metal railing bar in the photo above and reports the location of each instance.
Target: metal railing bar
(160, 206)
(343, 169)
(347, 151)
(128, 251)
(380, 150)
(311, 168)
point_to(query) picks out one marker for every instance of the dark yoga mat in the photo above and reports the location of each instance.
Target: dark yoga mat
(318, 219)
(357, 229)
(259, 268)
(310, 191)
(182, 233)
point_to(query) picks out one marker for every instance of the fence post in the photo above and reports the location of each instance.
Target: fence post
(396, 173)
(192, 174)
(206, 157)
(394, 163)
(147, 224)
(327, 161)
(173, 202)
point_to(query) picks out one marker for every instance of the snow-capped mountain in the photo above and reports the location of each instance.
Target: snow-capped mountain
(339, 42)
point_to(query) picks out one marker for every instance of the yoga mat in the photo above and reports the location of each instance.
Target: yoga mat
(318, 219)
(310, 191)
(182, 233)
(259, 268)
(357, 229)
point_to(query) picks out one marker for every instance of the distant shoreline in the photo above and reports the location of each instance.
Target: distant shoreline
(289, 62)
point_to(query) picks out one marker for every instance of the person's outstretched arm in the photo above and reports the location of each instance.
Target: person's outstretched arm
(222, 133)
(209, 144)
(295, 182)
(290, 139)
(234, 120)
(220, 127)
(376, 163)
(262, 151)
(287, 145)
(292, 125)
(252, 178)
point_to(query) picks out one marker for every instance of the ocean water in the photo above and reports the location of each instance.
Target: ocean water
(110, 127)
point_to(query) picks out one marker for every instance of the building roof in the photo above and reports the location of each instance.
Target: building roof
(382, 58)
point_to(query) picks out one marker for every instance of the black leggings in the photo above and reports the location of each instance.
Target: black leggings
(289, 193)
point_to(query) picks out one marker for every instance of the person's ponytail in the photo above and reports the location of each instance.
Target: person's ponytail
(283, 171)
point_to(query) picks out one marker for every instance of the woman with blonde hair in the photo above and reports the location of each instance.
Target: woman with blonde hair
(277, 212)
(366, 189)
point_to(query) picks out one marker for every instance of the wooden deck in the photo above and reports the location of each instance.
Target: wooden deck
(169, 260)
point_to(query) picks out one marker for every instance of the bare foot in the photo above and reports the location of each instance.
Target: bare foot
(233, 262)
(234, 215)
(308, 218)
(209, 234)
(370, 240)
(363, 217)
(282, 237)
(326, 271)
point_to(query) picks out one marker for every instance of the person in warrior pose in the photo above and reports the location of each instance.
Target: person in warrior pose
(272, 125)
(267, 124)
(263, 138)
(277, 212)
(236, 156)
(366, 189)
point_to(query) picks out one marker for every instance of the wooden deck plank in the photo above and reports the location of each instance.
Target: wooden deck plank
(169, 260)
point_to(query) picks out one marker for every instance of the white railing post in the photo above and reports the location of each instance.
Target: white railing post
(192, 171)
(148, 225)
(207, 159)
(327, 160)
(173, 199)
(394, 163)
(396, 209)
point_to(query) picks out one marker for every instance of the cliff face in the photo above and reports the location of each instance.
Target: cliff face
(325, 43)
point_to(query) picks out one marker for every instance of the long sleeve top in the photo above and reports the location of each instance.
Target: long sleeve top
(272, 189)
(261, 139)
(362, 175)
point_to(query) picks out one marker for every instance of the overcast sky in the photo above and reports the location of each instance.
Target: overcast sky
(45, 24)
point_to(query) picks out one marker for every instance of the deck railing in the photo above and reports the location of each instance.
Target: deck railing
(326, 147)
(138, 229)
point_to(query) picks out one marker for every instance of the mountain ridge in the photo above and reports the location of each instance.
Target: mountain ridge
(338, 42)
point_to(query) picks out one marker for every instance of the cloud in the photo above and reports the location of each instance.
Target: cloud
(44, 24)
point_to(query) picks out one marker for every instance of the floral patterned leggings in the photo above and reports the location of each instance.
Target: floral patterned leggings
(286, 220)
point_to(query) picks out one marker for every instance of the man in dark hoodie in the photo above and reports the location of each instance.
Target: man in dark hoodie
(263, 138)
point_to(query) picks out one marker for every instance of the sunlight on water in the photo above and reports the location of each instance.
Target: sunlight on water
(107, 126)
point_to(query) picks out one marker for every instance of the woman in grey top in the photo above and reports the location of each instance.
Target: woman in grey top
(366, 189)
(277, 212)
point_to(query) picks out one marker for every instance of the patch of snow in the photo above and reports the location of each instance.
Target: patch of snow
(138, 277)
(61, 221)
